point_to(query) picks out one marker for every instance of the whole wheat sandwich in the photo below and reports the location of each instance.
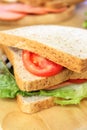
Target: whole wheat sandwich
(32, 12)
(49, 63)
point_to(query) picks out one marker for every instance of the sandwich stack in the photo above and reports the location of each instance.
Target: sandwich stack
(50, 65)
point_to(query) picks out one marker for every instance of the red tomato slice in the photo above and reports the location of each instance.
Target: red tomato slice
(77, 81)
(66, 83)
(40, 66)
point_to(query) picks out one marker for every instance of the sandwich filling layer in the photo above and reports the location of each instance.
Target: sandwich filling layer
(70, 94)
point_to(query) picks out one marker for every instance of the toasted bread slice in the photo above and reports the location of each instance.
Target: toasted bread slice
(35, 2)
(27, 81)
(78, 75)
(63, 45)
(35, 103)
(60, 4)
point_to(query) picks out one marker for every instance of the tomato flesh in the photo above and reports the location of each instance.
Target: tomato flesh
(40, 66)
(77, 81)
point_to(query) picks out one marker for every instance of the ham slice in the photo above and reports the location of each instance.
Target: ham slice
(66, 83)
(23, 8)
(9, 16)
(50, 10)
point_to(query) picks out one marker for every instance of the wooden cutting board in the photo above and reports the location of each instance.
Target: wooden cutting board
(56, 118)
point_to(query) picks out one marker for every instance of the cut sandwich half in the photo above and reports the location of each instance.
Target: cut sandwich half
(37, 12)
(51, 45)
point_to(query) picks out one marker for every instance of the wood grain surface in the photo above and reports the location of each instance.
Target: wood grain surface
(56, 118)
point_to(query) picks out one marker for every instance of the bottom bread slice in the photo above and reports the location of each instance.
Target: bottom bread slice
(34, 103)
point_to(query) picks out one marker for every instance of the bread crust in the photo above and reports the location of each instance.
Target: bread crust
(35, 2)
(78, 75)
(44, 2)
(35, 106)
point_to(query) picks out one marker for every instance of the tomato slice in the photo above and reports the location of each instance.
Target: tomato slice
(77, 81)
(40, 66)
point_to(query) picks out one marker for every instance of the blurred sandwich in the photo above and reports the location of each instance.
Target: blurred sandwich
(28, 12)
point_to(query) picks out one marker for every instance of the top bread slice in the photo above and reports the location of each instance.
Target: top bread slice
(64, 45)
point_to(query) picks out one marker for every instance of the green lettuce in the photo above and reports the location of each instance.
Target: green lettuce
(71, 94)
(8, 86)
(85, 21)
(84, 24)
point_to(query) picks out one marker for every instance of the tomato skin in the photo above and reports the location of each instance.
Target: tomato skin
(77, 81)
(40, 66)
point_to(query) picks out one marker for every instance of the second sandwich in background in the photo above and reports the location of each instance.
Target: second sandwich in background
(28, 12)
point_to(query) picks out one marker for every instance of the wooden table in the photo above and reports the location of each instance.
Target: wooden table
(56, 118)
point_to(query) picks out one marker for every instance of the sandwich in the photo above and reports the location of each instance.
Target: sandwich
(28, 12)
(49, 63)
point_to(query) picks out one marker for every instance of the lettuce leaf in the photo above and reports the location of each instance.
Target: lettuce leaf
(84, 24)
(71, 94)
(8, 86)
